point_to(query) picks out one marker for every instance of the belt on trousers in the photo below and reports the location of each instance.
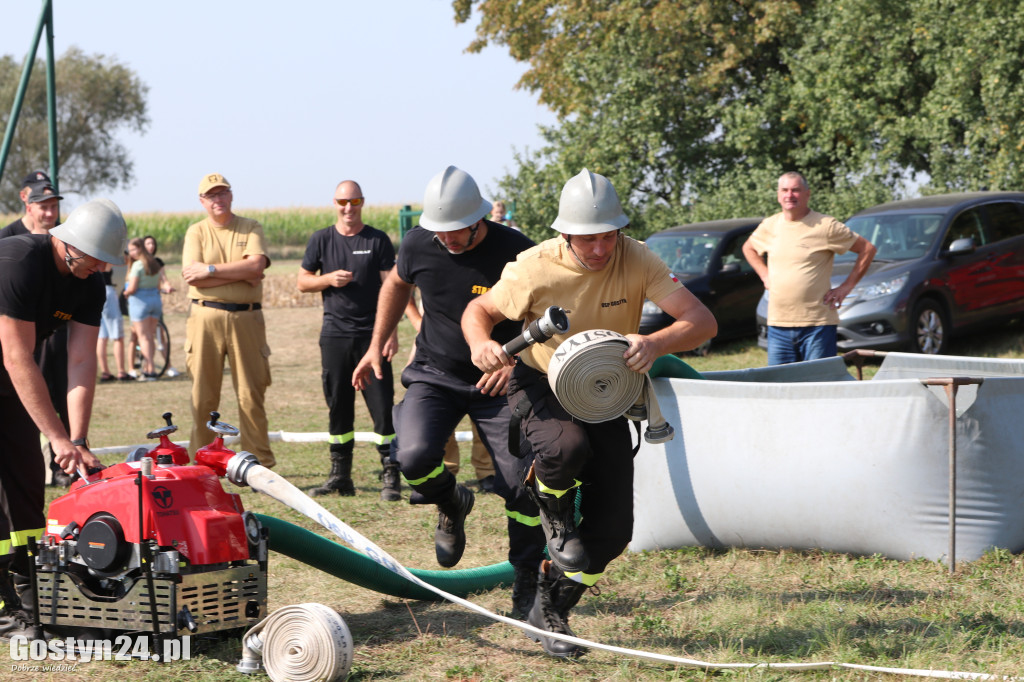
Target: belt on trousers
(230, 307)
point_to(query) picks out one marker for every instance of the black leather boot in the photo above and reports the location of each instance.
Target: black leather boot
(390, 480)
(450, 535)
(20, 621)
(524, 591)
(558, 519)
(556, 595)
(340, 479)
(9, 600)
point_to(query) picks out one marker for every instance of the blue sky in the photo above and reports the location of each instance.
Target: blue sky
(286, 99)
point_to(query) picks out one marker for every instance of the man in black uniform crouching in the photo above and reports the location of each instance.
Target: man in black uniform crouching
(47, 281)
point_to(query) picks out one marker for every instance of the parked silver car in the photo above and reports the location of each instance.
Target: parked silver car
(945, 264)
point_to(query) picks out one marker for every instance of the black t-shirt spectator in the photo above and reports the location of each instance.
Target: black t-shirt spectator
(350, 311)
(14, 229)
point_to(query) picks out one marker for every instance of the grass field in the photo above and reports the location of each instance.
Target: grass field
(742, 606)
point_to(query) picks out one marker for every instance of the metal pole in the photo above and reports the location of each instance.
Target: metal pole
(951, 384)
(51, 94)
(19, 97)
(951, 395)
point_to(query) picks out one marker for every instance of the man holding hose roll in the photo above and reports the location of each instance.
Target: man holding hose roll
(601, 278)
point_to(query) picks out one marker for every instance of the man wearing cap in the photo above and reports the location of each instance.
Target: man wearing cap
(347, 262)
(453, 256)
(47, 282)
(42, 206)
(223, 262)
(601, 278)
(42, 210)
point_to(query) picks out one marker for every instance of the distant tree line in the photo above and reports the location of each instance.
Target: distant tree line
(694, 107)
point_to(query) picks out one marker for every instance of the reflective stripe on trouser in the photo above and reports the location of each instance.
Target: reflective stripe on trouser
(338, 359)
(568, 452)
(22, 476)
(211, 335)
(434, 404)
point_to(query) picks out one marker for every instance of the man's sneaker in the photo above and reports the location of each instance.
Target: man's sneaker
(171, 373)
(450, 535)
(486, 484)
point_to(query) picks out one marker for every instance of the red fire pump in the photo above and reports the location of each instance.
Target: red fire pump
(154, 546)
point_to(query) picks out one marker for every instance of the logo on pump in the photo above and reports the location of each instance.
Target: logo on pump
(163, 497)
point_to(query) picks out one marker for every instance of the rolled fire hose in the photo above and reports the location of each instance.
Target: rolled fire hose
(593, 383)
(244, 469)
(299, 643)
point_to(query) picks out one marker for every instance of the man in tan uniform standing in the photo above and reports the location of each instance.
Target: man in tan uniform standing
(223, 262)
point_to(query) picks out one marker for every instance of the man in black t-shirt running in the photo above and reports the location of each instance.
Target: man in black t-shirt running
(454, 256)
(346, 262)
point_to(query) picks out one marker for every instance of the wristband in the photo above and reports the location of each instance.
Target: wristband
(80, 442)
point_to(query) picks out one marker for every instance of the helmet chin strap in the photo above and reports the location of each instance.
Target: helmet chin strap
(68, 258)
(472, 237)
(568, 240)
(472, 233)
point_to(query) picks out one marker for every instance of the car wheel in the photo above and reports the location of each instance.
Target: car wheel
(930, 329)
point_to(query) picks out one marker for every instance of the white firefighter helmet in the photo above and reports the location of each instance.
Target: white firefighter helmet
(452, 201)
(95, 228)
(589, 205)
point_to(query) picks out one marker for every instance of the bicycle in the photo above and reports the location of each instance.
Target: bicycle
(161, 350)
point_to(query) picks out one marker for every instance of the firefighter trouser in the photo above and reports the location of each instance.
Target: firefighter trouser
(339, 357)
(481, 460)
(22, 476)
(566, 450)
(210, 336)
(433, 405)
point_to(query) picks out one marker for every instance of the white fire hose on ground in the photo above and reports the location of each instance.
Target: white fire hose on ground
(291, 642)
(299, 643)
(290, 659)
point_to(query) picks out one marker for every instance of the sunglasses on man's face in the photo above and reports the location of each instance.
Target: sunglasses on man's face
(358, 201)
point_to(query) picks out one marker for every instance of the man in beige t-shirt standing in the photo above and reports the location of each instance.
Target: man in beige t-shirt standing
(223, 262)
(800, 245)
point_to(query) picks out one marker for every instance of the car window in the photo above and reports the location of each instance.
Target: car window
(897, 236)
(967, 224)
(684, 254)
(734, 253)
(1006, 220)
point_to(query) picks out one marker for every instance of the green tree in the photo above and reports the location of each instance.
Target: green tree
(694, 107)
(97, 98)
(639, 87)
